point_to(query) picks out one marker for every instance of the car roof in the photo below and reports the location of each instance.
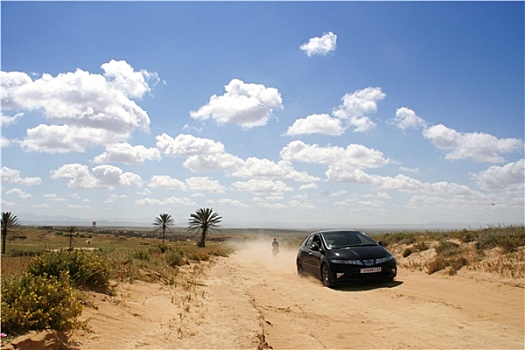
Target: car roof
(336, 230)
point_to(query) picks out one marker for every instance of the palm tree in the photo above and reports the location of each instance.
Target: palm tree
(203, 220)
(8, 221)
(163, 222)
(70, 233)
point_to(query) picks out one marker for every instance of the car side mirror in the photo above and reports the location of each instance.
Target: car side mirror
(380, 243)
(315, 247)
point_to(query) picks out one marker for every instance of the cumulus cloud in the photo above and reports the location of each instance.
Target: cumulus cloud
(352, 157)
(8, 120)
(164, 181)
(310, 186)
(320, 45)
(357, 105)
(407, 119)
(201, 154)
(19, 193)
(232, 202)
(187, 145)
(204, 184)
(113, 198)
(13, 176)
(316, 124)
(100, 177)
(480, 147)
(265, 168)
(89, 108)
(261, 186)
(399, 182)
(243, 104)
(212, 162)
(126, 153)
(168, 201)
(509, 177)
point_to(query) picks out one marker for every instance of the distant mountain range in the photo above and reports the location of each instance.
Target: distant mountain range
(30, 219)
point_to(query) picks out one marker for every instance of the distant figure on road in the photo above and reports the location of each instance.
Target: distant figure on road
(275, 247)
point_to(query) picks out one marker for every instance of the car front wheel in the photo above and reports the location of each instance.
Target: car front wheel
(326, 276)
(300, 270)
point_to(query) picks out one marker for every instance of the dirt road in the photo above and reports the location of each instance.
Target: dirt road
(252, 300)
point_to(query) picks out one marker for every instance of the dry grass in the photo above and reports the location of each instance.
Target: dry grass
(495, 250)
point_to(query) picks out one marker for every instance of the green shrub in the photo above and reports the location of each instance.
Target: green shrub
(86, 269)
(174, 259)
(508, 240)
(407, 252)
(163, 247)
(38, 302)
(398, 238)
(143, 254)
(448, 248)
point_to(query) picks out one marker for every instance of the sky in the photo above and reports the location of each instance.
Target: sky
(305, 114)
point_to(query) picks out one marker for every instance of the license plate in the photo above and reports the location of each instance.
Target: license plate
(371, 269)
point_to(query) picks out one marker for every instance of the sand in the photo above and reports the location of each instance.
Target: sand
(252, 300)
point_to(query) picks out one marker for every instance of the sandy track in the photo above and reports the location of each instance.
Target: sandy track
(252, 299)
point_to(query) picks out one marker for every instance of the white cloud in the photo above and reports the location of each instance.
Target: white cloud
(243, 104)
(101, 177)
(316, 124)
(65, 138)
(89, 108)
(310, 186)
(164, 181)
(121, 76)
(260, 186)
(352, 157)
(7, 120)
(12, 176)
(4, 142)
(509, 177)
(480, 147)
(212, 162)
(265, 168)
(126, 153)
(113, 198)
(168, 201)
(204, 184)
(232, 202)
(19, 193)
(54, 197)
(320, 45)
(407, 119)
(400, 183)
(202, 154)
(357, 105)
(187, 145)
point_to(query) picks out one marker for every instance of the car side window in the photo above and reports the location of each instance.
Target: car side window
(317, 239)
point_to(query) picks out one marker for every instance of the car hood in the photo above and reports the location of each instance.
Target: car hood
(365, 252)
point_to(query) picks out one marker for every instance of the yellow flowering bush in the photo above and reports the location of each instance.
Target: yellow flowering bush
(87, 269)
(32, 302)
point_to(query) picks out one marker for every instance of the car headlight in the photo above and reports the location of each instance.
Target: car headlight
(347, 262)
(385, 259)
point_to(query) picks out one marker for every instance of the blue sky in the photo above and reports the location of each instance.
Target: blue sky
(296, 113)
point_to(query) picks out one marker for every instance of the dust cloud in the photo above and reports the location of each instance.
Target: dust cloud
(257, 251)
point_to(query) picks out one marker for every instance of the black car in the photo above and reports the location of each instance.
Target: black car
(342, 256)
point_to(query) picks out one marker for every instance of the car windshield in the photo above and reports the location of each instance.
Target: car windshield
(344, 239)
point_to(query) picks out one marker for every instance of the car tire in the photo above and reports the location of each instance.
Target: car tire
(300, 270)
(326, 276)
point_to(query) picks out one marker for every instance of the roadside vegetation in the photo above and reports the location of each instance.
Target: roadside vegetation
(499, 250)
(46, 282)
